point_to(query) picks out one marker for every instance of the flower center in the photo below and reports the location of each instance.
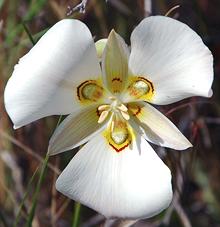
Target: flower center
(118, 125)
(116, 107)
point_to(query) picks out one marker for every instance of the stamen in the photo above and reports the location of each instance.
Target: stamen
(103, 116)
(103, 107)
(112, 98)
(123, 108)
(125, 115)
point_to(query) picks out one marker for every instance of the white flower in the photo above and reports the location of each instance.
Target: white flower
(116, 172)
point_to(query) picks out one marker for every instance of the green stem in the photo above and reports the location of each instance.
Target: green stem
(76, 214)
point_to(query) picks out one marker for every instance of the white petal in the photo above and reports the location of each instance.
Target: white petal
(157, 128)
(173, 57)
(133, 183)
(45, 80)
(100, 46)
(75, 130)
(115, 63)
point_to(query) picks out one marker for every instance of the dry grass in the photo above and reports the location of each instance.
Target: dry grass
(196, 172)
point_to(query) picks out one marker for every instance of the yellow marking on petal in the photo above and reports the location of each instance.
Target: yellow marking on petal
(140, 88)
(90, 91)
(119, 134)
(134, 109)
(112, 124)
(116, 85)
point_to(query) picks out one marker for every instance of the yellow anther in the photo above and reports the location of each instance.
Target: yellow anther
(125, 115)
(103, 107)
(112, 98)
(123, 108)
(103, 116)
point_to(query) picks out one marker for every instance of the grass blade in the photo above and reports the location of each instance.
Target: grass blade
(28, 33)
(24, 198)
(42, 173)
(34, 204)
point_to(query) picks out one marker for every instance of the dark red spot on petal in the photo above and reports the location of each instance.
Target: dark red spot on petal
(117, 79)
(119, 149)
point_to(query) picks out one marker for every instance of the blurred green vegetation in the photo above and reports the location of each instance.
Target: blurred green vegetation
(196, 172)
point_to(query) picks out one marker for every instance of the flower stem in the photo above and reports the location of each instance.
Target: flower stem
(76, 214)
